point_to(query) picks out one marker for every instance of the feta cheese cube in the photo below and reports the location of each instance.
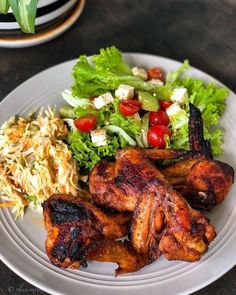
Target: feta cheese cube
(99, 137)
(103, 100)
(140, 73)
(179, 95)
(156, 82)
(173, 109)
(124, 92)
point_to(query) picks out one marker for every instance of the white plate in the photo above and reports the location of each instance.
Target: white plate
(22, 242)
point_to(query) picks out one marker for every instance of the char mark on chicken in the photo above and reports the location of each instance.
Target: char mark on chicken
(78, 231)
(118, 185)
(196, 136)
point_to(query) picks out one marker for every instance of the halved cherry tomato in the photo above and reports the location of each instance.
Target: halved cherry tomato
(165, 104)
(86, 123)
(156, 135)
(156, 73)
(159, 118)
(129, 107)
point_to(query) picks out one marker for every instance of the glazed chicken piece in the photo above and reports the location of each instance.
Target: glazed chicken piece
(118, 185)
(204, 182)
(162, 222)
(78, 231)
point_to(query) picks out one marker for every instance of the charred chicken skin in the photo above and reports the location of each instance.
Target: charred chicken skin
(118, 185)
(78, 231)
(162, 222)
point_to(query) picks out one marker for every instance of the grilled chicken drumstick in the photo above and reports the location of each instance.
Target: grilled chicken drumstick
(203, 182)
(78, 231)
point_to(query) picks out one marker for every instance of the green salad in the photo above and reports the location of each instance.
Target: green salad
(112, 105)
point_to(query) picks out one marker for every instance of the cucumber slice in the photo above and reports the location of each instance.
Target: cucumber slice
(149, 102)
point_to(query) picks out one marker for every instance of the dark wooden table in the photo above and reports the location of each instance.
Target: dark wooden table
(202, 31)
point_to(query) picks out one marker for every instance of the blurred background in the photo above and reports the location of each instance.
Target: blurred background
(200, 30)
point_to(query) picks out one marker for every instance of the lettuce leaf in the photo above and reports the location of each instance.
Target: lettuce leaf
(86, 152)
(111, 59)
(106, 73)
(209, 98)
(123, 130)
(173, 76)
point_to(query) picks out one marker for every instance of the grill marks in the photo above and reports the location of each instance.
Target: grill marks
(73, 226)
(78, 231)
(64, 211)
(131, 179)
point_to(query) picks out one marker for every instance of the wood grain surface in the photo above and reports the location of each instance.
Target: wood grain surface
(204, 31)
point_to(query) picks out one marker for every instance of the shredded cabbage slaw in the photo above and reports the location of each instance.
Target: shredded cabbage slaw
(35, 162)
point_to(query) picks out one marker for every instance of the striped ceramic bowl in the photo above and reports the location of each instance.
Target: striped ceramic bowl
(49, 12)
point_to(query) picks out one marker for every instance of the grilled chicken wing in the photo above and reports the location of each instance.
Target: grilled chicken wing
(162, 222)
(118, 185)
(78, 231)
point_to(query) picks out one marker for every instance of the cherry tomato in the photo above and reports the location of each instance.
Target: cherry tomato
(156, 73)
(159, 118)
(156, 135)
(86, 123)
(165, 104)
(129, 107)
